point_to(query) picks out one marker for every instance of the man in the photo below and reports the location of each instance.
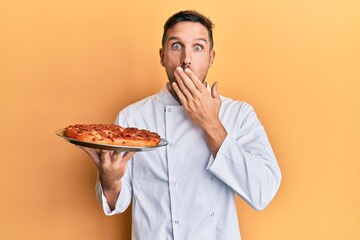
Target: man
(217, 147)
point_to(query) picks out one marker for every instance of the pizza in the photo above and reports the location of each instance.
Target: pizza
(112, 134)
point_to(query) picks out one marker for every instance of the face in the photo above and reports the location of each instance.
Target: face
(187, 45)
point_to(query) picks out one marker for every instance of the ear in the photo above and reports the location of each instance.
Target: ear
(161, 53)
(212, 57)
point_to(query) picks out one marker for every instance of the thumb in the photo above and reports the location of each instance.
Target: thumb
(214, 90)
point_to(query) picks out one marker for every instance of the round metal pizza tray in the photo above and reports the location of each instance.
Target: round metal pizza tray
(163, 142)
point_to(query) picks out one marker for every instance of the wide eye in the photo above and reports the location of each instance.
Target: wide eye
(198, 48)
(176, 46)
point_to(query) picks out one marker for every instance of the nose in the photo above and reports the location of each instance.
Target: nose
(186, 58)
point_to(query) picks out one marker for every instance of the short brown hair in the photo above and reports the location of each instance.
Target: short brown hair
(189, 16)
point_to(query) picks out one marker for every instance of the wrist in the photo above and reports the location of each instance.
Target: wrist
(215, 136)
(113, 186)
(214, 129)
(111, 193)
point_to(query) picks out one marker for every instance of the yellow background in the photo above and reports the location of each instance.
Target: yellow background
(62, 62)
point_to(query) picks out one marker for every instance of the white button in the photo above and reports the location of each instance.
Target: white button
(177, 222)
(172, 182)
(212, 178)
(169, 110)
(171, 145)
(212, 214)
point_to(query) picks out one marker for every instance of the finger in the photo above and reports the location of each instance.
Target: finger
(94, 155)
(128, 155)
(115, 156)
(189, 80)
(195, 80)
(182, 79)
(125, 158)
(179, 93)
(215, 91)
(105, 156)
(122, 156)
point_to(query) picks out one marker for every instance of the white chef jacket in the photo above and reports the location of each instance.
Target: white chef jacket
(181, 191)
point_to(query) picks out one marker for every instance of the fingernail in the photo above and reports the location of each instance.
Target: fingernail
(187, 70)
(178, 69)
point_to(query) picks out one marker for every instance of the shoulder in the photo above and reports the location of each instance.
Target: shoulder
(232, 105)
(137, 109)
(236, 114)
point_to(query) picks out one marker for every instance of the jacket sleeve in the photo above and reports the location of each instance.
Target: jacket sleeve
(246, 162)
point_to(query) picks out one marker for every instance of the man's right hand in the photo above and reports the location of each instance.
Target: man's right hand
(111, 166)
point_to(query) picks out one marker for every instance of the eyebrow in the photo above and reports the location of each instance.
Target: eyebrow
(196, 39)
